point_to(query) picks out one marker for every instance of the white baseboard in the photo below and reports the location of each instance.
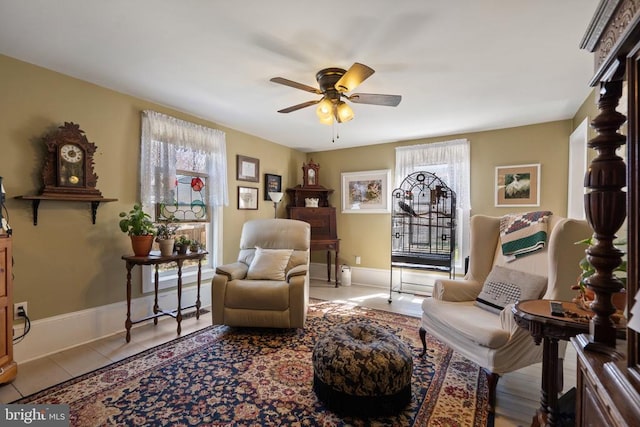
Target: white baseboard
(58, 333)
(413, 281)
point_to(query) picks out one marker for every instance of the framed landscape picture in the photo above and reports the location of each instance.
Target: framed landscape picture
(517, 185)
(366, 192)
(247, 198)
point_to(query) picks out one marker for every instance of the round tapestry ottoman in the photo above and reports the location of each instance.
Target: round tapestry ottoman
(362, 369)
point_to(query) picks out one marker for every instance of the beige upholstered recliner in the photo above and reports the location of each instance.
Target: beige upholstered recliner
(494, 341)
(269, 284)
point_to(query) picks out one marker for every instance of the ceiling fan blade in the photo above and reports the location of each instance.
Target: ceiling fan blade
(353, 77)
(298, 106)
(296, 85)
(375, 99)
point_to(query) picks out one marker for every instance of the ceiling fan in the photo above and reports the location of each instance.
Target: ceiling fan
(334, 83)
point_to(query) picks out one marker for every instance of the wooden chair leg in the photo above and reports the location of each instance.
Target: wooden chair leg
(560, 374)
(492, 379)
(423, 338)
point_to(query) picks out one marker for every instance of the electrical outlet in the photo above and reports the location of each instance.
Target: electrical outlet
(358, 260)
(16, 306)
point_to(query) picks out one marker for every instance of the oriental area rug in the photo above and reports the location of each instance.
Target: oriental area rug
(222, 376)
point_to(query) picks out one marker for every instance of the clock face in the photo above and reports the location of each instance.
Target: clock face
(71, 153)
(71, 169)
(310, 178)
(68, 168)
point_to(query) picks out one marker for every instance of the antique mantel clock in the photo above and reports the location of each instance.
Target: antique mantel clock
(68, 173)
(68, 167)
(310, 174)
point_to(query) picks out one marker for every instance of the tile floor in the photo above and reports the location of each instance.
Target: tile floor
(517, 397)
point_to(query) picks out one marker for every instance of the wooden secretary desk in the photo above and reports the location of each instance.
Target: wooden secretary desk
(324, 235)
(608, 371)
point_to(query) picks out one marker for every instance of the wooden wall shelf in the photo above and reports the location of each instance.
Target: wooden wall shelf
(95, 202)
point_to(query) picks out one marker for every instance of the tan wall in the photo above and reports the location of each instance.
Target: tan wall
(66, 264)
(274, 159)
(369, 235)
(588, 110)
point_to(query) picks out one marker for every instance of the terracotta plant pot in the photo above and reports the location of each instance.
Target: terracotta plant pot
(166, 246)
(584, 300)
(141, 245)
(619, 300)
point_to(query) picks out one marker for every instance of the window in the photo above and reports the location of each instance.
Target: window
(183, 174)
(450, 161)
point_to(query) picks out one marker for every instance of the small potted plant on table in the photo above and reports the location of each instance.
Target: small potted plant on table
(165, 236)
(182, 244)
(195, 246)
(138, 225)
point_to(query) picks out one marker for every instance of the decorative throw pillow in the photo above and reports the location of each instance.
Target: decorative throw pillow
(505, 286)
(269, 264)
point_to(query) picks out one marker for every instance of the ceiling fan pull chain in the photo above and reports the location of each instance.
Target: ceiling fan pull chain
(333, 131)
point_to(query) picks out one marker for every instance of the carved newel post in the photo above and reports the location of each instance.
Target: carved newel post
(605, 210)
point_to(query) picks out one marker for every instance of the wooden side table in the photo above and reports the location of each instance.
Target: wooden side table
(156, 259)
(328, 245)
(324, 236)
(535, 316)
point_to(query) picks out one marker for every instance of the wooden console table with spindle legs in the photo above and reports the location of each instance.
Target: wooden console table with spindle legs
(156, 260)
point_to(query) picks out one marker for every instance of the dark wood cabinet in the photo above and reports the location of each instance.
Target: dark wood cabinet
(8, 368)
(324, 234)
(297, 195)
(322, 221)
(608, 372)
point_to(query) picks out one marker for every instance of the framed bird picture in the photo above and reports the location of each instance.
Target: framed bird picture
(366, 192)
(517, 185)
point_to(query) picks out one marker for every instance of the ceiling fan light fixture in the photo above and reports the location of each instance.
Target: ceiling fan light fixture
(344, 113)
(333, 85)
(325, 108)
(326, 120)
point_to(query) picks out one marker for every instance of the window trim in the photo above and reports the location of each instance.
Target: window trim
(169, 279)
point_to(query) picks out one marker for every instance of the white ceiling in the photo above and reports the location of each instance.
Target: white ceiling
(460, 65)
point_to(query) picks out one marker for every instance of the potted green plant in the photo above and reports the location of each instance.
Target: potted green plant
(182, 244)
(195, 246)
(138, 225)
(585, 295)
(165, 236)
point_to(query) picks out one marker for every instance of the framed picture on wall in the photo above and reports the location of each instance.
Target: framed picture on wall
(366, 192)
(248, 169)
(517, 185)
(272, 183)
(247, 198)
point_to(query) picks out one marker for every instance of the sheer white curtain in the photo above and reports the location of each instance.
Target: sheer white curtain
(164, 140)
(450, 161)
